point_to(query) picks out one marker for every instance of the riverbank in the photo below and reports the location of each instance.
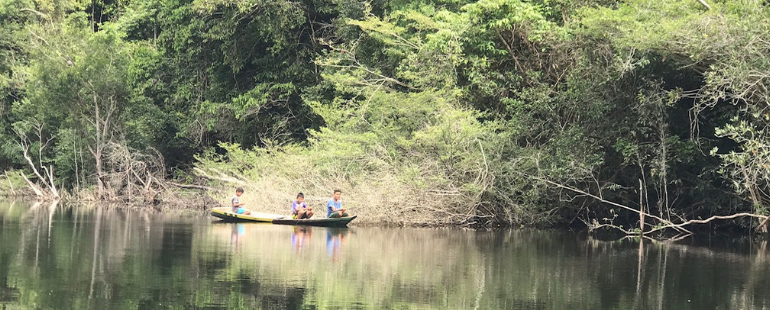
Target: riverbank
(382, 203)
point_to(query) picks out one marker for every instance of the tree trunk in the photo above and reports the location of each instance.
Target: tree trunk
(48, 179)
(38, 191)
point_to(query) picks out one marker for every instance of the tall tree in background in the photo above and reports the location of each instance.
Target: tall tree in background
(14, 17)
(78, 80)
(236, 69)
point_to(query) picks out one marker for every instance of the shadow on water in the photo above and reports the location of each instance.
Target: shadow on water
(82, 257)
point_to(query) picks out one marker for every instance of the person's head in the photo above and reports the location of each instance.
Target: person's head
(300, 197)
(239, 191)
(337, 194)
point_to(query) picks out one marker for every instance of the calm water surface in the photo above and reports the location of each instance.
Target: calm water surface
(78, 257)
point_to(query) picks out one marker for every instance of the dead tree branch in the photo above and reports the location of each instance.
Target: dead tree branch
(662, 220)
(24, 143)
(38, 191)
(703, 2)
(222, 177)
(665, 223)
(192, 186)
(720, 217)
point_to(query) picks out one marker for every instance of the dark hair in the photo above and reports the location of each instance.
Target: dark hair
(337, 191)
(300, 195)
(240, 189)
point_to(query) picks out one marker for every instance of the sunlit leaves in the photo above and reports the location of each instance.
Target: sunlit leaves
(509, 14)
(77, 87)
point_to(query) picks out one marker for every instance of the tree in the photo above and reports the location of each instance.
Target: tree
(78, 80)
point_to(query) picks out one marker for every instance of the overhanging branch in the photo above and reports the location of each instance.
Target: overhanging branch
(703, 2)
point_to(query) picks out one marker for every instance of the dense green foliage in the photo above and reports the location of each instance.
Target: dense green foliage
(453, 111)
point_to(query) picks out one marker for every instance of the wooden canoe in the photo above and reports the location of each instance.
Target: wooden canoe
(227, 215)
(321, 221)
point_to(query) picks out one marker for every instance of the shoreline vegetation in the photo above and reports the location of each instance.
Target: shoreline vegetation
(644, 117)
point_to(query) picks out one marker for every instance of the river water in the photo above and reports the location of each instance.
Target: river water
(85, 257)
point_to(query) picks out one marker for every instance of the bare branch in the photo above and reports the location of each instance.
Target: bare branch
(24, 143)
(716, 217)
(703, 2)
(222, 177)
(662, 220)
(192, 186)
(512, 54)
(38, 191)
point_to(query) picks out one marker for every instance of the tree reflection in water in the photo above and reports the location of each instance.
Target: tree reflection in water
(100, 257)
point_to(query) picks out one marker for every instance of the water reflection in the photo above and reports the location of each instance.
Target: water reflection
(88, 257)
(300, 237)
(335, 237)
(236, 235)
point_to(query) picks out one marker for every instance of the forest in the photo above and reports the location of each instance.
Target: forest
(635, 115)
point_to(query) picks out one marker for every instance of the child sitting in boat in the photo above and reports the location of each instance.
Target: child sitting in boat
(237, 204)
(299, 209)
